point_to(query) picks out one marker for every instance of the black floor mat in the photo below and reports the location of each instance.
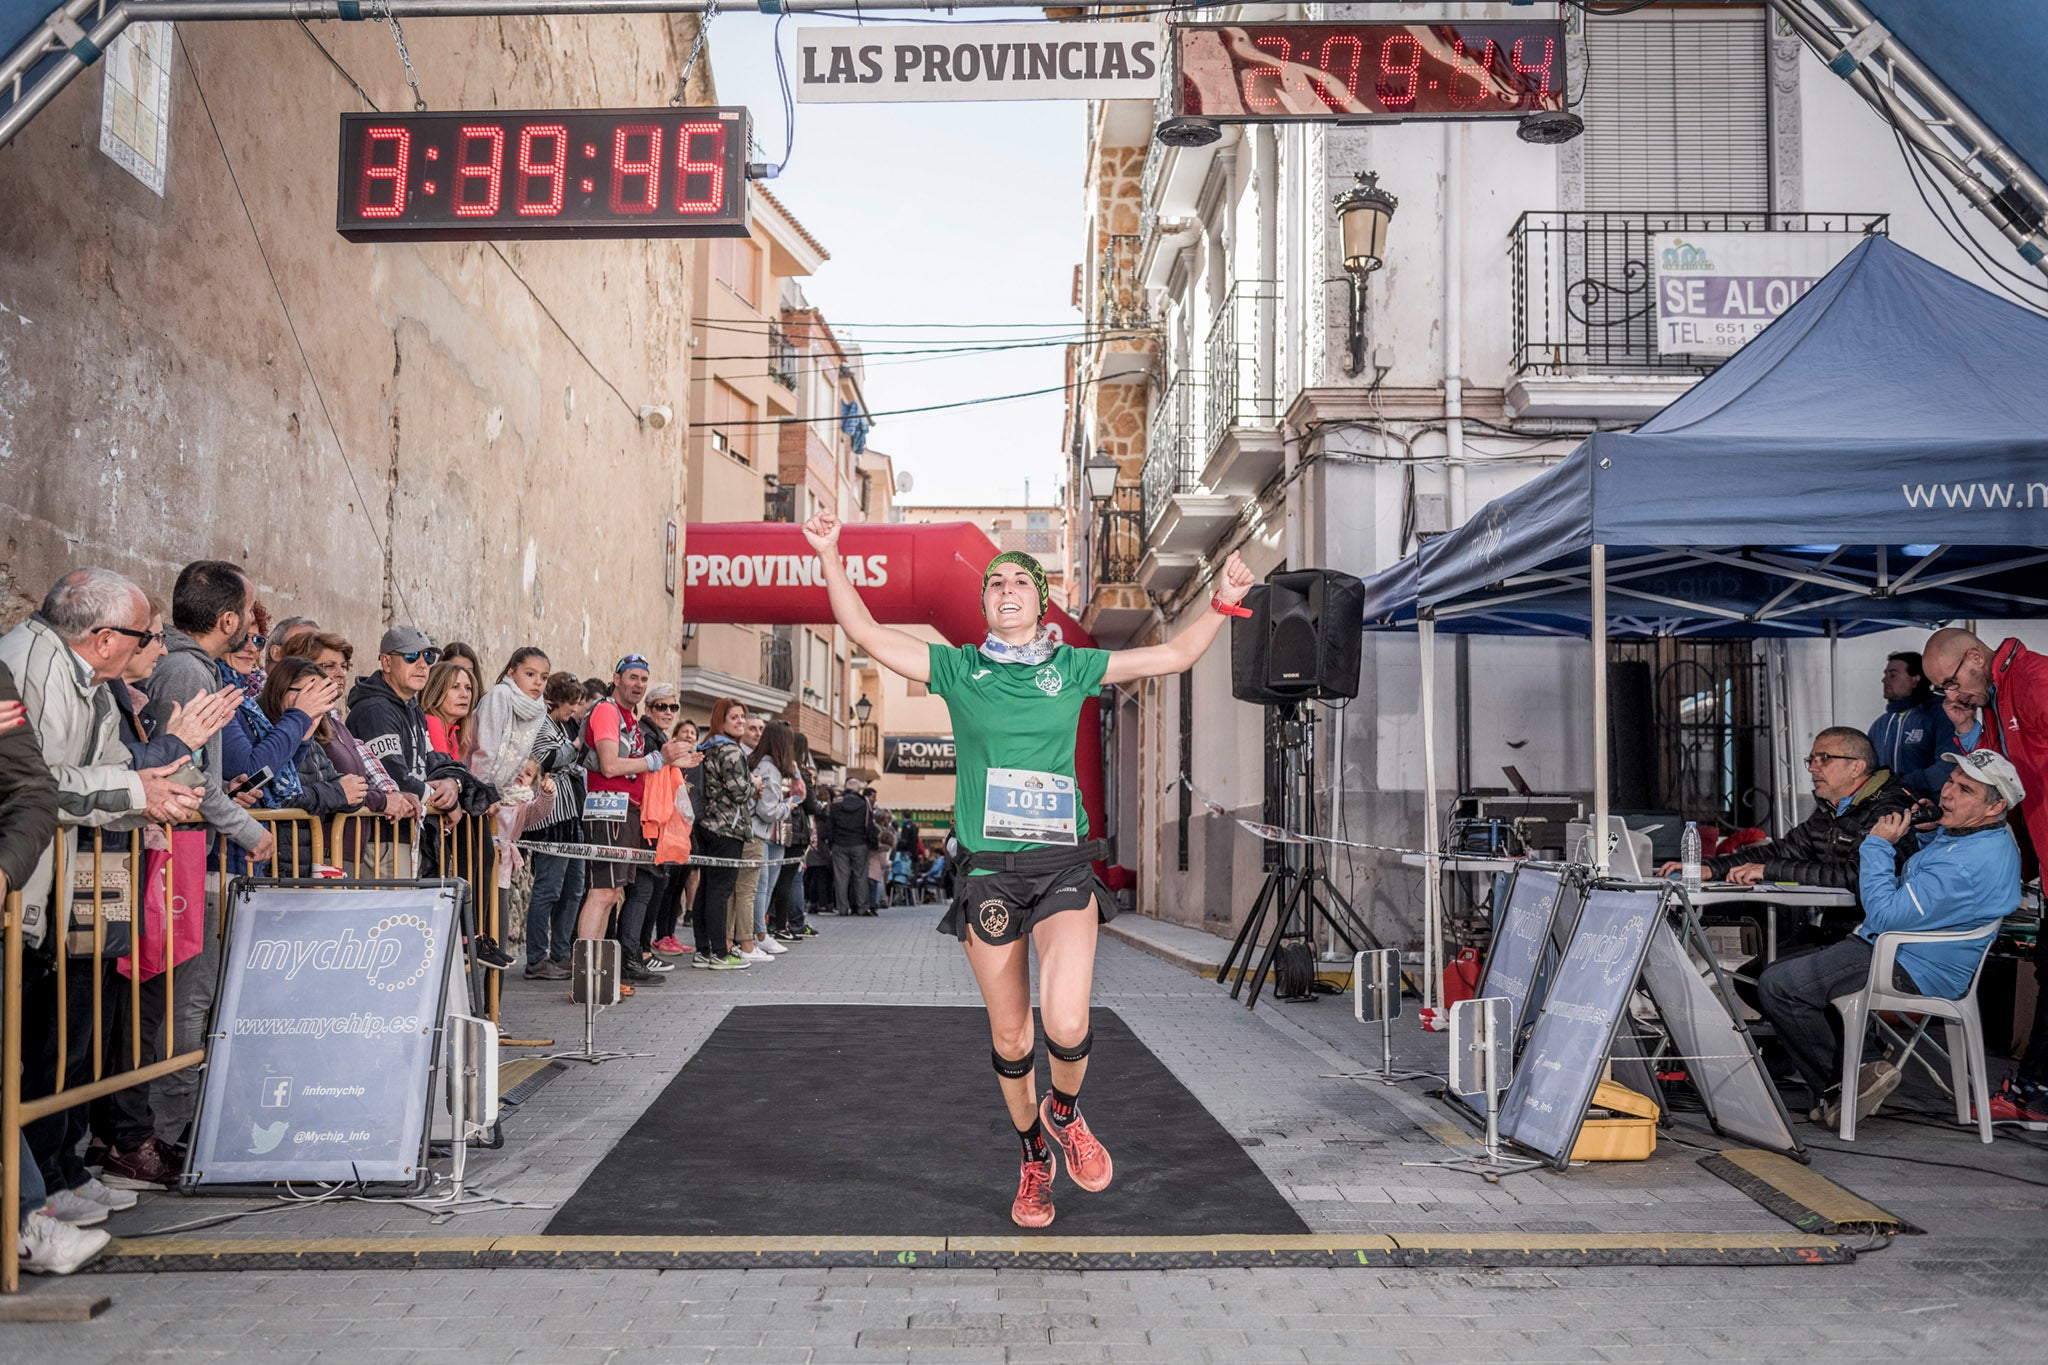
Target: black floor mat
(858, 1120)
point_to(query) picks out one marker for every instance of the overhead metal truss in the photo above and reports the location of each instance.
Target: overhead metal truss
(75, 34)
(1981, 166)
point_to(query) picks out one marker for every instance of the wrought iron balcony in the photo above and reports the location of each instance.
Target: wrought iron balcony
(782, 357)
(1242, 362)
(1119, 536)
(1583, 296)
(778, 660)
(1172, 460)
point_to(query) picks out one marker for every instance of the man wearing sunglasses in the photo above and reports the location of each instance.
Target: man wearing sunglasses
(384, 713)
(1998, 699)
(1851, 794)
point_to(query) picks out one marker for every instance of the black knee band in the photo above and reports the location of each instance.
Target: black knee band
(1015, 1069)
(1076, 1053)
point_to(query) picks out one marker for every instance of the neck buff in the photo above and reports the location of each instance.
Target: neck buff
(1039, 649)
(1034, 651)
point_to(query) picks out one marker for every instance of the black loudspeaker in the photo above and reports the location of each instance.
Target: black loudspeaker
(1302, 641)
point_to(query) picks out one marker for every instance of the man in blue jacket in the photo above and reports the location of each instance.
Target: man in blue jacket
(1912, 733)
(1966, 876)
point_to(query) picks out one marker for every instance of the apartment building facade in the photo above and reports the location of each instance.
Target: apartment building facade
(1248, 404)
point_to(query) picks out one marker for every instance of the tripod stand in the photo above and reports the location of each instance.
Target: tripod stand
(1300, 888)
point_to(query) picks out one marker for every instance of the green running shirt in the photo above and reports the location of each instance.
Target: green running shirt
(1020, 716)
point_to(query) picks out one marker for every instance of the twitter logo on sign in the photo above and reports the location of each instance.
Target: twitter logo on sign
(263, 1140)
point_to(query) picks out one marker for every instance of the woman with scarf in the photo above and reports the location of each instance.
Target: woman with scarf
(1015, 702)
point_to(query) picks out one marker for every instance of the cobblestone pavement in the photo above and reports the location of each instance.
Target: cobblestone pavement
(1277, 1078)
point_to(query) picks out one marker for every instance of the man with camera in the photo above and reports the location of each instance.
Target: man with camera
(1965, 876)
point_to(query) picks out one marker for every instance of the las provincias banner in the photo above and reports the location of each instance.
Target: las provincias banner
(930, 62)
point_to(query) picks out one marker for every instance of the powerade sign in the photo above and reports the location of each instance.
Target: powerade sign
(323, 1042)
(918, 755)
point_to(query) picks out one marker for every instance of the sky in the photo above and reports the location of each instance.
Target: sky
(967, 213)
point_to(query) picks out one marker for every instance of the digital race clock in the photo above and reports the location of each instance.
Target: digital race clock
(664, 172)
(1343, 72)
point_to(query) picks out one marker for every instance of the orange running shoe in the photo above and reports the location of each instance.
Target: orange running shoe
(1087, 1161)
(1033, 1205)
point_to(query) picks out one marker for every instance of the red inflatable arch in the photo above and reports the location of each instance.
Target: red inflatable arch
(764, 573)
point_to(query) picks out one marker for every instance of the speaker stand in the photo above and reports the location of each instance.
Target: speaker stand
(1299, 889)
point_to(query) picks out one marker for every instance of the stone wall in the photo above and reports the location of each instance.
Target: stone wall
(485, 473)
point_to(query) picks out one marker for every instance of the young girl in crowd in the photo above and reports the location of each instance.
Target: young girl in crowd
(502, 731)
(676, 881)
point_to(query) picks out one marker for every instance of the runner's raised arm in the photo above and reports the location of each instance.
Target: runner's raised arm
(898, 651)
(1178, 655)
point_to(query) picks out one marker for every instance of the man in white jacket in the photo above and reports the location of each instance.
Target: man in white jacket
(90, 626)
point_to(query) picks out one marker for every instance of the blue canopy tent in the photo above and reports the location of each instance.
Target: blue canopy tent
(1877, 457)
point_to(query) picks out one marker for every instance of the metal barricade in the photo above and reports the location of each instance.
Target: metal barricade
(103, 887)
(105, 892)
(368, 846)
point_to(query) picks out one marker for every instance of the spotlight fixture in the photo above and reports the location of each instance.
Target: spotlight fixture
(1548, 127)
(1188, 132)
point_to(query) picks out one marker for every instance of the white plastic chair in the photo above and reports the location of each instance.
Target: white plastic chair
(1965, 1032)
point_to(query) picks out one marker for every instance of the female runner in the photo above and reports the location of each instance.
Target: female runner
(1016, 701)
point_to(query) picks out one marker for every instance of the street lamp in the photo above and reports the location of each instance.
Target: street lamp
(1100, 474)
(863, 708)
(1363, 213)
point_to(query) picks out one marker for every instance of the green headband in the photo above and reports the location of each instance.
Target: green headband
(1031, 566)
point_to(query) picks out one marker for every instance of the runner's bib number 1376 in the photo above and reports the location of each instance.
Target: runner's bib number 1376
(1030, 807)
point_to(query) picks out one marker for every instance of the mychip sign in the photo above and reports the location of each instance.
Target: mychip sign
(918, 755)
(931, 62)
(325, 1039)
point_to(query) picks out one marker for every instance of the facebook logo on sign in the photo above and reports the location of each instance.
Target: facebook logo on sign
(277, 1092)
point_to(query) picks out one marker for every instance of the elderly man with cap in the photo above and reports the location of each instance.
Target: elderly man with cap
(1966, 876)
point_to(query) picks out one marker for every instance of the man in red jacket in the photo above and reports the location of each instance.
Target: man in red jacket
(1998, 699)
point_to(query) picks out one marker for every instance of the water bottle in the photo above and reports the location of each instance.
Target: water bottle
(1689, 856)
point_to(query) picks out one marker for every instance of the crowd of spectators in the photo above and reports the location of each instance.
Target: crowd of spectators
(179, 724)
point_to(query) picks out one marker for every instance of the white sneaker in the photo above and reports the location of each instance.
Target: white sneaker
(75, 1209)
(49, 1246)
(757, 955)
(771, 947)
(106, 1196)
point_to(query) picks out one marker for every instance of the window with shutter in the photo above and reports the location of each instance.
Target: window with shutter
(1676, 110)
